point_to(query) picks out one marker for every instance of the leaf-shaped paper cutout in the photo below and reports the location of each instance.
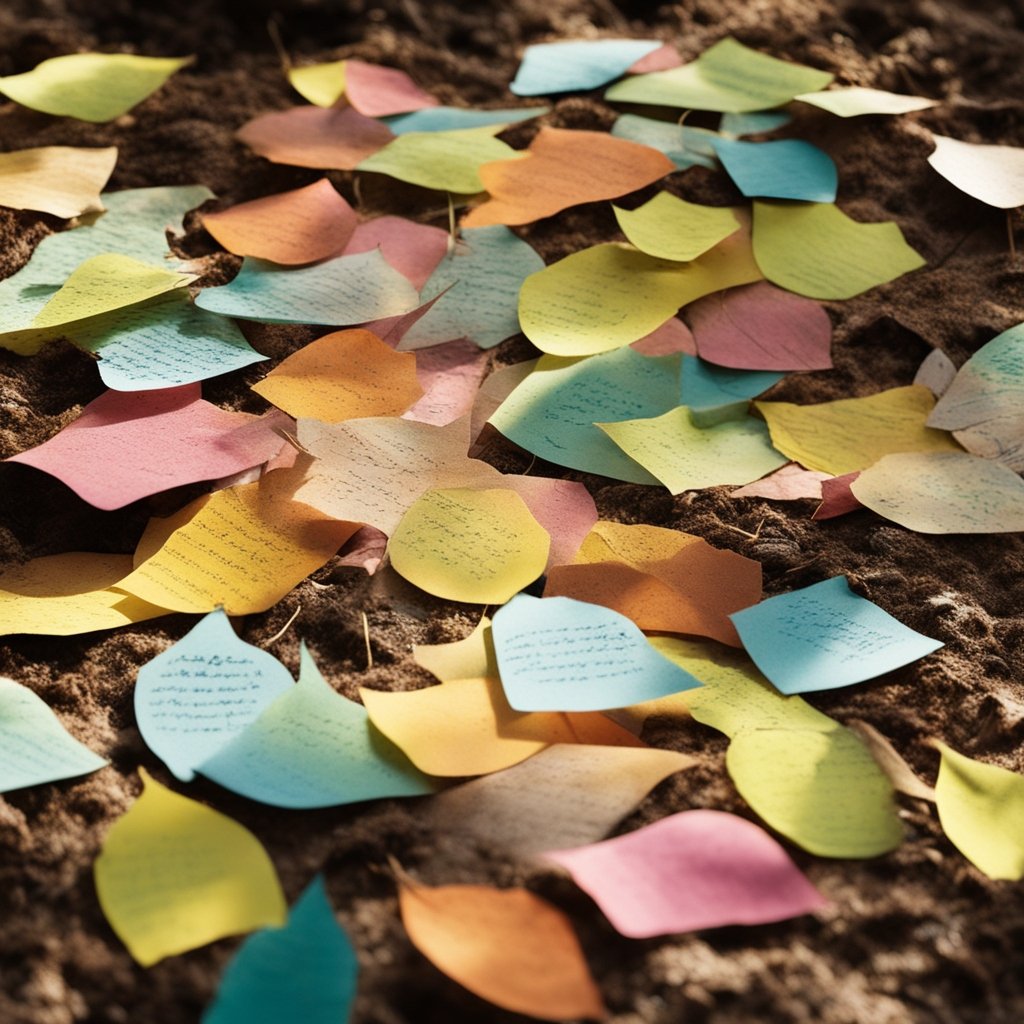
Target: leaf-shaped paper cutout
(670, 228)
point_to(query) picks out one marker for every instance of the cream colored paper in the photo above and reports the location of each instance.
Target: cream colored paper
(61, 180)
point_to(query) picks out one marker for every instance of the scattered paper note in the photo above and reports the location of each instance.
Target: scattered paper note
(61, 180)
(836, 497)
(855, 100)
(469, 658)
(671, 337)
(577, 65)
(783, 169)
(714, 394)
(993, 174)
(670, 228)
(174, 875)
(450, 376)
(414, 250)
(683, 145)
(936, 372)
(790, 483)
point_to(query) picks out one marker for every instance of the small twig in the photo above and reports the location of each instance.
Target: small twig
(803, 565)
(1009, 233)
(275, 37)
(453, 234)
(366, 637)
(284, 629)
(746, 533)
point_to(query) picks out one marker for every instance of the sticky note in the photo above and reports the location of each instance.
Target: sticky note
(480, 278)
(563, 168)
(62, 180)
(760, 327)
(243, 548)
(301, 226)
(814, 249)
(449, 376)
(559, 654)
(981, 808)
(685, 146)
(993, 174)
(307, 968)
(312, 747)
(443, 119)
(193, 698)
(127, 445)
(714, 394)
(90, 86)
(782, 169)
(469, 658)
(791, 483)
(62, 595)
(336, 292)
(671, 337)
(372, 89)
(507, 946)
(822, 790)
(936, 373)
(855, 100)
(685, 457)
(609, 295)
(553, 411)
(670, 228)
(754, 122)
(825, 636)
(852, 433)
(371, 470)
(690, 871)
(577, 65)
(567, 795)
(982, 404)
(414, 250)
(334, 139)
(462, 544)
(943, 492)
(34, 746)
(728, 77)
(164, 343)
(836, 497)
(449, 161)
(174, 875)
(341, 376)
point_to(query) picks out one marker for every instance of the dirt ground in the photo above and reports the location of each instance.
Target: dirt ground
(917, 935)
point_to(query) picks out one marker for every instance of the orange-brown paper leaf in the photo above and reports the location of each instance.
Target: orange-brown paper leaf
(505, 945)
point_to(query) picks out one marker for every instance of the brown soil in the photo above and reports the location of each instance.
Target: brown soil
(918, 935)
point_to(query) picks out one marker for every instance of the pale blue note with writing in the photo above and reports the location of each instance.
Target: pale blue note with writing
(755, 122)
(34, 746)
(683, 145)
(314, 748)
(825, 636)
(714, 394)
(786, 169)
(198, 695)
(453, 119)
(577, 65)
(481, 277)
(337, 292)
(306, 971)
(553, 412)
(559, 654)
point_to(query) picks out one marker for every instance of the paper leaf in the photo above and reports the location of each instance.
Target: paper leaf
(61, 180)
(470, 658)
(670, 228)
(784, 169)
(683, 145)
(577, 65)
(855, 100)
(791, 483)
(444, 119)
(993, 174)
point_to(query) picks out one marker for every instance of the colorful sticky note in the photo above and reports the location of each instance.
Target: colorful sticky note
(469, 658)
(301, 226)
(577, 65)
(993, 174)
(670, 228)
(563, 168)
(569, 794)
(609, 295)
(372, 89)
(981, 808)
(553, 411)
(754, 122)
(61, 180)
(61, 595)
(312, 747)
(760, 327)
(936, 372)
(201, 692)
(791, 483)
(90, 86)
(683, 145)
(825, 636)
(450, 376)
(443, 119)
(308, 969)
(714, 394)
(943, 492)
(414, 250)
(34, 746)
(507, 946)
(728, 77)
(127, 445)
(685, 457)
(174, 875)
(242, 548)
(814, 249)
(343, 376)
(472, 545)
(852, 433)
(783, 169)
(448, 161)
(822, 790)
(690, 871)
(836, 497)
(334, 139)
(671, 337)
(558, 654)
(855, 100)
(477, 290)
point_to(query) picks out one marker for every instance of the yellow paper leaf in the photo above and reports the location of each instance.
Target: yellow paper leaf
(174, 875)
(322, 84)
(854, 100)
(90, 86)
(670, 228)
(981, 807)
(850, 434)
(469, 658)
(61, 180)
(505, 945)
